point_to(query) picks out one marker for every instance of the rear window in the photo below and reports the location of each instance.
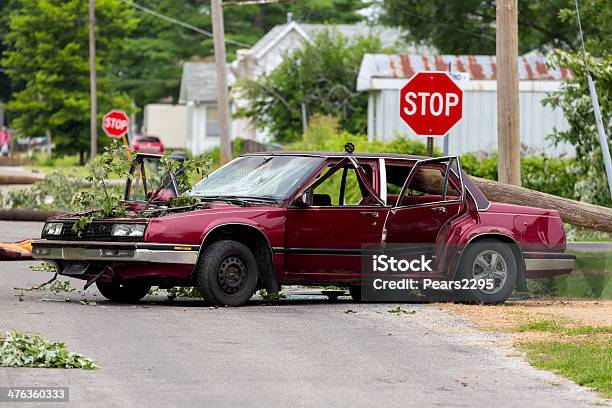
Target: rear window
(147, 139)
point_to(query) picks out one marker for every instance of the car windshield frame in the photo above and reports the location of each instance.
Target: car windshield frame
(264, 173)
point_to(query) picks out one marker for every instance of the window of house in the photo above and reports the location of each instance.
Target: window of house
(212, 122)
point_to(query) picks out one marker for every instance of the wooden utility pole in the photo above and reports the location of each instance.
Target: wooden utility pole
(222, 94)
(93, 120)
(508, 125)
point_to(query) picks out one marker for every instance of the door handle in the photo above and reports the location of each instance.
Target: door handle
(374, 214)
(439, 209)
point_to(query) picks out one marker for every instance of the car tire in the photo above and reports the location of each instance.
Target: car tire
(227, 273)
(491, 260)
(124, 292)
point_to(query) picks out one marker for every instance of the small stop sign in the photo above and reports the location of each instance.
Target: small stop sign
(115, 123)
(431, 103)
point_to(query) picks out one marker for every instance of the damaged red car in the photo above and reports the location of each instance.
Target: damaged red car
(281, 218)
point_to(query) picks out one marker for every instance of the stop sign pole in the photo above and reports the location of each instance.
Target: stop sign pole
(116, 124)
(431, 104)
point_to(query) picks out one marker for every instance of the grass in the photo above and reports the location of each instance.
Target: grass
(591, 278)
(582, 353)
(586, 363)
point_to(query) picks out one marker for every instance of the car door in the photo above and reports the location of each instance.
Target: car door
(324, 238)
(432, 196)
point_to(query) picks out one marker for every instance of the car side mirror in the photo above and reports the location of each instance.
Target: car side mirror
(304, 200)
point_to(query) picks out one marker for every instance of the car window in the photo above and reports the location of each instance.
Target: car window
(427, 186)
(397, 174)
(343, 188)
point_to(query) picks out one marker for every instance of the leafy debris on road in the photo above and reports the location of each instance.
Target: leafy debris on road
(23, 350)
(398, 311)
(271, 296)
(349, 311)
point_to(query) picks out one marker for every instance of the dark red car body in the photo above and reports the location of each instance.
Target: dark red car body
(318, 244)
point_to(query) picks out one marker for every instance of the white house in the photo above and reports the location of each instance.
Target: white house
(269, 51)
(198, 84)
(199, 94)
(382, 76)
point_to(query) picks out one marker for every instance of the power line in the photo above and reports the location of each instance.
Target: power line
(179, 22)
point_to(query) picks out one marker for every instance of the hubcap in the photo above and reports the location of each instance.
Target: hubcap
(231, 274)
(490, 265)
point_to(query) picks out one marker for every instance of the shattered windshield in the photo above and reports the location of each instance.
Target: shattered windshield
(273, 177)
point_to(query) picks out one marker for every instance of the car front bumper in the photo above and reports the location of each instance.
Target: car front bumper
(52, 250)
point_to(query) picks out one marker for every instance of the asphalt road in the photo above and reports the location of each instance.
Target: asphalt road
(296, 352)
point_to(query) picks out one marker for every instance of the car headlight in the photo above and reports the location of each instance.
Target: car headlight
(128, 230)
(53, 228)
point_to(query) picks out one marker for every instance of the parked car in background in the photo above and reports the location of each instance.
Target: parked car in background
(282, 218)
(147, 144)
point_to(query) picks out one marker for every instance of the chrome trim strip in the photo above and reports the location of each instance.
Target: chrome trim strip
(549, 264)
(75, 253)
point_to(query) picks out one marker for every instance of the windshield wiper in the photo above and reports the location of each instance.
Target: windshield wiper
(227, 199)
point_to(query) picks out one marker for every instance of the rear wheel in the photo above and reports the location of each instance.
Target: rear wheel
(227, 273)
(124, 292)
(490, 262)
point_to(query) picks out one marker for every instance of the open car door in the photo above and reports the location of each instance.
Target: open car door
(144, 180)
(334, 216)
(431, 197)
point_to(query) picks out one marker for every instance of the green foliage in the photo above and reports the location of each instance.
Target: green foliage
(53, 193)
(101, 200)
(47, 53)
(271, 296)
(321, 76)
(574, 100)
(23, 350)
(552, 175)
(468, 26)
(43, 267)
(183, 292)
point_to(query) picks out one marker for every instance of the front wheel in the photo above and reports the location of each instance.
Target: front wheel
(227, 273)
(124, 292)
(490, 262)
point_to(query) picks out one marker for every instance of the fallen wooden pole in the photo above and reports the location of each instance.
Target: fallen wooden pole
(19, 214)
(572, 212)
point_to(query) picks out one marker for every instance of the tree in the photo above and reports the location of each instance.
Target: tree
(5, 82)
(48, 53)
(468, 26)
(321, 76)
(575, 101)
(151, 66)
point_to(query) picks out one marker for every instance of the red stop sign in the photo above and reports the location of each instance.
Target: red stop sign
(115, 123)
(431, 103)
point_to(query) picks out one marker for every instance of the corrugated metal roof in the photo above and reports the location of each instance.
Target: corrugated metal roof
(479, 67)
